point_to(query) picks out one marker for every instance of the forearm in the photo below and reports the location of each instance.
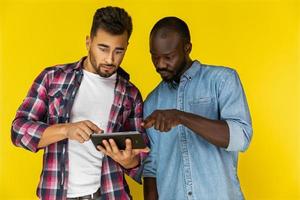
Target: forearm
(52, 134)
(214, 131)
(150, 190)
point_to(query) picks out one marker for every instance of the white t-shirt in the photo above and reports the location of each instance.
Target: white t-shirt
(93, 102)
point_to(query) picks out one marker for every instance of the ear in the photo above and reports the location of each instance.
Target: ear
(87, 42)
(126, 46)
(188, 48)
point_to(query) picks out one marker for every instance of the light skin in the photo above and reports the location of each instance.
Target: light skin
(170, 56)
(105, 54)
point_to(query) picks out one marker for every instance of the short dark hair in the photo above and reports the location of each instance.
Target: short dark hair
(114, 20)
(173, 24)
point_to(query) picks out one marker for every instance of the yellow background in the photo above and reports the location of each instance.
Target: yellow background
(259, 38)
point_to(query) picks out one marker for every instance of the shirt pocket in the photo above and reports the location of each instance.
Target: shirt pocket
(127, 109)
(203, 106)
(57, 98)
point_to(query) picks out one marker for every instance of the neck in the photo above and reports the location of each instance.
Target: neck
(187, 65)
(87, 65)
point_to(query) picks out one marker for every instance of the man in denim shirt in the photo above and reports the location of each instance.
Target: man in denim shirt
(197, 120)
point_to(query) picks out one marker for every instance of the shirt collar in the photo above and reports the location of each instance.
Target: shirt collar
(191, 72)
(120, 72)
(79, 64)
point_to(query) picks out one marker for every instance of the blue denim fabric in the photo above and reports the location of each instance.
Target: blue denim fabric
(184, 164)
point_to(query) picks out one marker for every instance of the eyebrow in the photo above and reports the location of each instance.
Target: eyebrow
(106, 46)
(165, 54)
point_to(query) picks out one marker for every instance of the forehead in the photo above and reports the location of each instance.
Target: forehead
(165, 41)
(109, 39)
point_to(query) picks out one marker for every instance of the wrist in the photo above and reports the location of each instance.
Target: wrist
(180, 116)
(133, 164)
(62, 129)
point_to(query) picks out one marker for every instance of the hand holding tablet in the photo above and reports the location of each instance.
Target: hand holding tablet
(136, 138)
(122, 147)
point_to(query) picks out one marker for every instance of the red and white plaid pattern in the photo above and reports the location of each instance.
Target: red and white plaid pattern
(49, 102)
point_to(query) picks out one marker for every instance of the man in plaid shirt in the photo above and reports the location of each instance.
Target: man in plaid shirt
(67, 103)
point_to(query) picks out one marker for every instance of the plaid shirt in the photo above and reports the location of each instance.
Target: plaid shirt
(48, 102)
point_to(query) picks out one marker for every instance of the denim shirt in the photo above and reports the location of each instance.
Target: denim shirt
(185, 165)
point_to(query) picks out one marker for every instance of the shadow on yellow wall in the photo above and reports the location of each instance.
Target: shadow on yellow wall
(260, 39)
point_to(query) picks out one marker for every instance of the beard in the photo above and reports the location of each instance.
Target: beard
(174, 75)
(97, 67)
(164, 71)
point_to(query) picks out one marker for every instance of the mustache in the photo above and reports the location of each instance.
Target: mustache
(109, 65)
(163, 70)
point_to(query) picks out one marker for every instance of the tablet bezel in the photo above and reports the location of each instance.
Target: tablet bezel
(136, 138)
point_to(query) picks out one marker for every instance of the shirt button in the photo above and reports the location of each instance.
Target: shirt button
(190, 193)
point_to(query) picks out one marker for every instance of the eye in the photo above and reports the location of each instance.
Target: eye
(119, 51)
(103, 49)
(169, 57)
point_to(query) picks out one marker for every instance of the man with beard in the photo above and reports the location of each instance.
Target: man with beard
(197, 120)
(67, 103)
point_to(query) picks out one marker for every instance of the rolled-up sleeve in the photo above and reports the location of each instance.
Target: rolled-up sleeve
(29, 122)
(235, 111)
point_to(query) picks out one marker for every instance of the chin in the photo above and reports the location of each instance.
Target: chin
(105, 75)
(167, 78)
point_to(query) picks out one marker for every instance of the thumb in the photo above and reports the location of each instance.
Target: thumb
(145, 150)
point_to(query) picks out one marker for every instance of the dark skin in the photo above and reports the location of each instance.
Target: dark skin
(170, 56)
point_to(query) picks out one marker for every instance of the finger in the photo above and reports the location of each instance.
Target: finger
(145, 150)
(162, 125)
(174, 124)
(128, 147)
(149, 121)
(168, 126)
(168, 129)
(84, 131)
(157, 122)
(100, 148)
(93, 126)
(107, 146)
(114, 147)
(138, 151)
(78, 137)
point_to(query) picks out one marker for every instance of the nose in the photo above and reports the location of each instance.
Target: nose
(161, 64)
(109, 59)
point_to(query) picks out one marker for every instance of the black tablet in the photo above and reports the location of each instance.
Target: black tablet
(119, 138)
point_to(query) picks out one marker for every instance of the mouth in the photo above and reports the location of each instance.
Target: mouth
(107, 68)
(164, 73)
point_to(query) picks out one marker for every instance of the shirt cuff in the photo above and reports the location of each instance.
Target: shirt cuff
(136, 172)
(236, 137)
